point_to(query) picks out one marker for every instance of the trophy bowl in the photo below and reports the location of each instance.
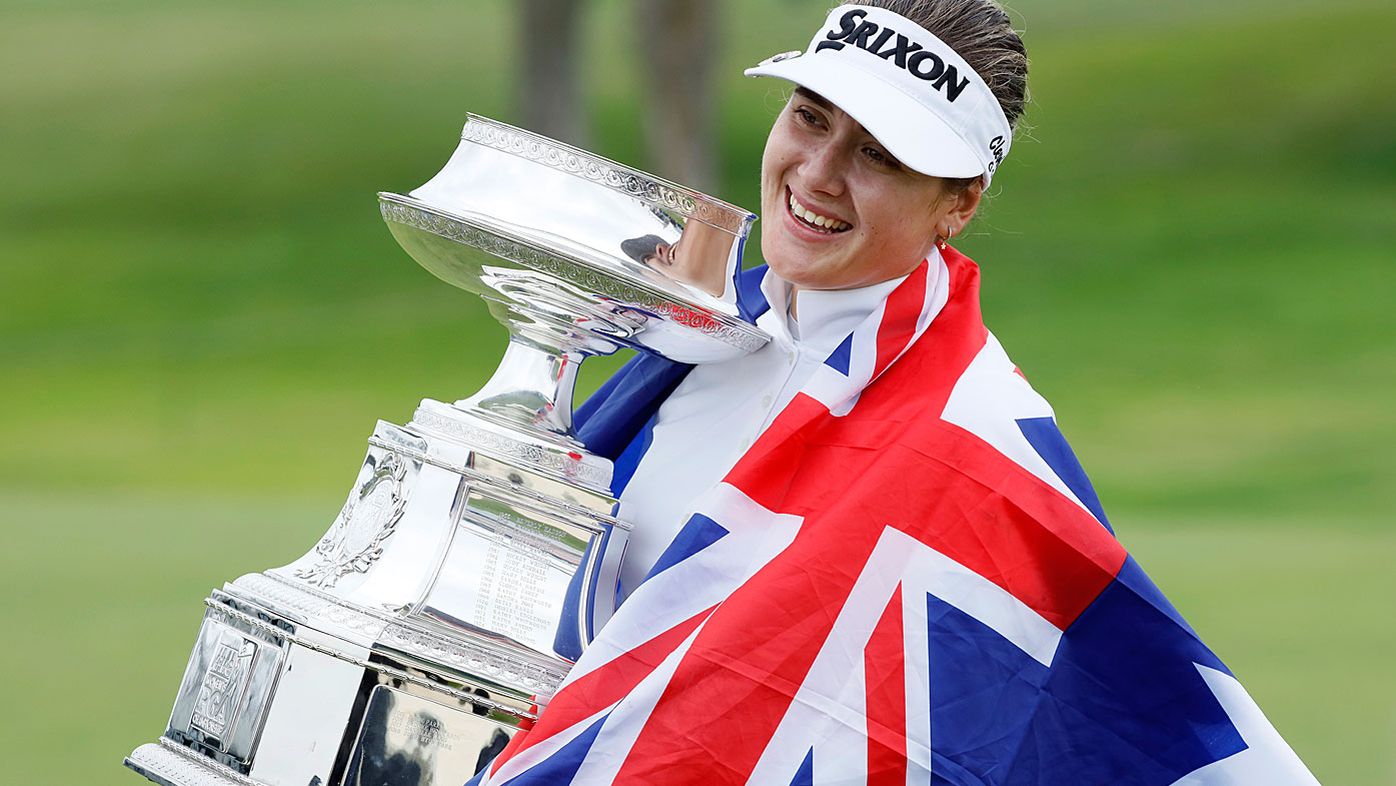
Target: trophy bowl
(477, 553)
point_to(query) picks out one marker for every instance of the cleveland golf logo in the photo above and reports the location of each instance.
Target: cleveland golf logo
(996, 150)
(907, 54)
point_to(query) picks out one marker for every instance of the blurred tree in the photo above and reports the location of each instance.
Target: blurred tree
(676, 44)
(550, 80)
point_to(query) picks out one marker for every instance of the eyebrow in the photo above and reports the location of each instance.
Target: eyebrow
(810, 95)
(827, 105)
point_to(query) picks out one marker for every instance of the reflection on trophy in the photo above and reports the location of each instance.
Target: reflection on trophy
(477, 554)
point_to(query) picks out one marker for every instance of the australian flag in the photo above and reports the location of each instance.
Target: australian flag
(908, 579)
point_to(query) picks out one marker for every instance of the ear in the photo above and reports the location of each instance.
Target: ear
(965, 205)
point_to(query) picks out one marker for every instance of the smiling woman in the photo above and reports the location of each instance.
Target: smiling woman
(865, 553)
(898, 162)
(840, 210)
(881, 153)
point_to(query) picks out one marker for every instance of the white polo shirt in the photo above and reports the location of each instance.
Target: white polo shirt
(720, 409)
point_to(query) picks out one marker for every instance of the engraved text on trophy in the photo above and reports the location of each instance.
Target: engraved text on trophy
(223, 685)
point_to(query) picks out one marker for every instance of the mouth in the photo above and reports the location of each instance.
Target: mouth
(811, 220)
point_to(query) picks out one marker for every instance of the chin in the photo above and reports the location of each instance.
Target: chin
(801, 267)
(779, 260)
(801, 276)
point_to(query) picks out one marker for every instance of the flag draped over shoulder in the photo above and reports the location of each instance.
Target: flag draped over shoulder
(906, 580)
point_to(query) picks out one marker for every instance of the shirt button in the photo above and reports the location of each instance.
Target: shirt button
(766, 401)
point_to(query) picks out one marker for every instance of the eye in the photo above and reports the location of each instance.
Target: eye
(881, 157)
(805, 115)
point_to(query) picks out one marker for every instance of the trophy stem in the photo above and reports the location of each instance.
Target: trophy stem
(531, 388)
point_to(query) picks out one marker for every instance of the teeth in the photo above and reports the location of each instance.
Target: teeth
(811, 217)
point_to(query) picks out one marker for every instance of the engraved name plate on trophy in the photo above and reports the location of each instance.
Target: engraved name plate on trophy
(477, 553)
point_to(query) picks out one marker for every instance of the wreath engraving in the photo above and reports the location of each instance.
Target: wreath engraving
(369, 517)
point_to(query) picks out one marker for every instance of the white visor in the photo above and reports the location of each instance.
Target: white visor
(913, 93)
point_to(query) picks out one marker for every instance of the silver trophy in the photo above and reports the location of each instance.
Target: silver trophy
(477, 553)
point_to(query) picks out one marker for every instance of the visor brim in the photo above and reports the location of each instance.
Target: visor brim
(911, 132)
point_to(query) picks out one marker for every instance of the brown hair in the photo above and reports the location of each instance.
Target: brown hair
(980, 32)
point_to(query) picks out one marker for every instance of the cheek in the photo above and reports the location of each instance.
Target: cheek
(780, 149)
(771, 166)
(920, 212)
(897, 225)
(770, 148)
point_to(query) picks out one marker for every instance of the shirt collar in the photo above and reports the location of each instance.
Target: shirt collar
(826, 316)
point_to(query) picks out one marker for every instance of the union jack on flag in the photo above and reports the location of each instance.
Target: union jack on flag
(908, 579)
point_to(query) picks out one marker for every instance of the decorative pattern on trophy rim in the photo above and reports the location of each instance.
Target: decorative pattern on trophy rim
(292, 597)
(474, 659)
(369, 517)
(460, 653)
(596, 517)
(219, 611)
(232, 616)
(615, 176)
(733, 332)
(533, 455)
(171, 763)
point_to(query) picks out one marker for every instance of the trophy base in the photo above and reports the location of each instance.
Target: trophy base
(267, 701)
(413, 641)
(168, 764)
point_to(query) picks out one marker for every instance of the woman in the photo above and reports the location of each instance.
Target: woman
(845, 217)
(864, 554)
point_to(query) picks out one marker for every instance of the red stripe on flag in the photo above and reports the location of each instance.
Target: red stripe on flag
(899, 317)
(515, 744)
(885, 678)
(746, 665)
(1009, 526)
(599, 689)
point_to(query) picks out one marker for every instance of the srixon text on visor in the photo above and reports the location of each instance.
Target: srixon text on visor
(908, 55)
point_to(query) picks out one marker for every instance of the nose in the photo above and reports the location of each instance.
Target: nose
(822, 170)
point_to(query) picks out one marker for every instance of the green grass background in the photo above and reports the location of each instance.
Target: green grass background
(201, 314)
